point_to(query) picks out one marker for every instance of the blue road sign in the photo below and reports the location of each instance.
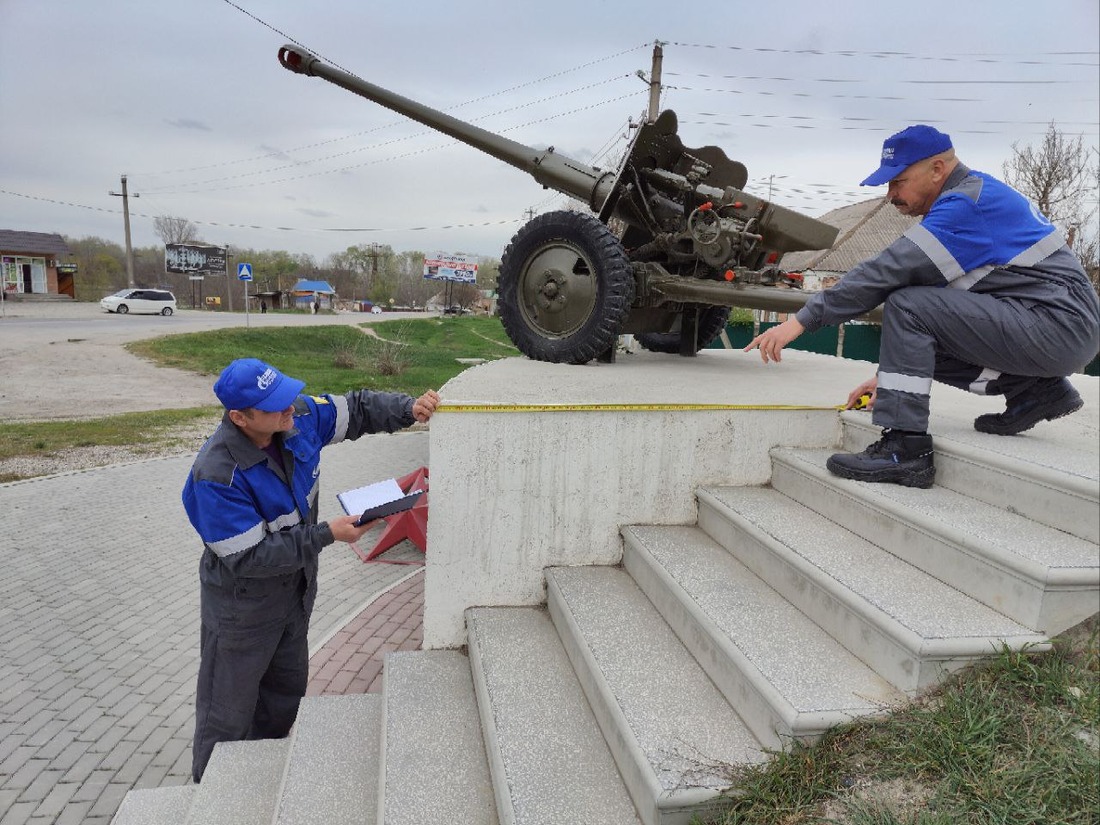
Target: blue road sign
(244, 272)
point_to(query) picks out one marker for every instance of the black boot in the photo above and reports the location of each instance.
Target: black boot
(1048, 399)
(899, 457)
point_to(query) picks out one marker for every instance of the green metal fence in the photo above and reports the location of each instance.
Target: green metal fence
(861, 342)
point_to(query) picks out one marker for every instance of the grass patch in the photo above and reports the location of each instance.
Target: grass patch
(1013, 740)
(132, 433)
(407, 356)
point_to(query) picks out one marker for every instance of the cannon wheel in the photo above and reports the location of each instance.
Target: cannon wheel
(712, 320)
(565, 288)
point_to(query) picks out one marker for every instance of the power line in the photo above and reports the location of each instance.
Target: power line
(972, 57)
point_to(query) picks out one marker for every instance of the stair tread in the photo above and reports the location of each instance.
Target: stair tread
(432, 729)
(241, 783)
(682, 723)
(995, 527)
(556, 765)
(332, 768)
(155, 806)
(803, 663)
(919, 602)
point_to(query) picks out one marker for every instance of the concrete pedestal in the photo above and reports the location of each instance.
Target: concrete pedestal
(516, 491)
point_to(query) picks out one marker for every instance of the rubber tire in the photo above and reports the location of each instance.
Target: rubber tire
(166, 311)
(577, 331)
(712, 321)
(122, 309)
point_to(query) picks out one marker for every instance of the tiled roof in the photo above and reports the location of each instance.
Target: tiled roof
(866, 228)
(48, 243)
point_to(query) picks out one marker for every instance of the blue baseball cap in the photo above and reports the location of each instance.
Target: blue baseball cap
(249, 382)
(902, 150)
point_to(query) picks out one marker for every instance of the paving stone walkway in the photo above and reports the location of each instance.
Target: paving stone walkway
(351, 662)
(99, 625)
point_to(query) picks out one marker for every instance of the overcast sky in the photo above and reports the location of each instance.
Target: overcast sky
(189, 101)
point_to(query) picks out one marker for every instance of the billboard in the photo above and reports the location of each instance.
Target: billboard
(197, 259)
(444, 267)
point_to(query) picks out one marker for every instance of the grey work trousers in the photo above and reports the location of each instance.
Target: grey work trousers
(254, 666)
(977, 342)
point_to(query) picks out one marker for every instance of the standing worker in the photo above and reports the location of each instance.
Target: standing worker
(983, 294)
(252, 497)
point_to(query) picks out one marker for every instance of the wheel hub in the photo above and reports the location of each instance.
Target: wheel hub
(558, 291)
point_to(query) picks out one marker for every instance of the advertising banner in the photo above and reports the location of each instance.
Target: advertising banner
(444, 267)
(194, 259)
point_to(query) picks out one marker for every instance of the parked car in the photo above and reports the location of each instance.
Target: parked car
(155, 301)
(376, 310)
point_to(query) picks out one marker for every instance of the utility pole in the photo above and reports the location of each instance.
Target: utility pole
(229, 281)
(126, 221)
(373, 255)
(655, 81)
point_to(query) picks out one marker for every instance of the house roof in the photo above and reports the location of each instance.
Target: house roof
(313, 286)
(866, 228)
(49, 243)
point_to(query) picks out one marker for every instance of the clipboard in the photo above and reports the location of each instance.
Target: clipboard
(389, 508)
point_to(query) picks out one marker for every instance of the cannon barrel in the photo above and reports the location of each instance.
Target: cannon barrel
(557, 172)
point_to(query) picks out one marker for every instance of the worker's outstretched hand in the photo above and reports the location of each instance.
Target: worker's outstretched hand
(425, 405)
(771, 341)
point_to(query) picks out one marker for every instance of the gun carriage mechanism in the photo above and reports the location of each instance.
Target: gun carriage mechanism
(690, 244)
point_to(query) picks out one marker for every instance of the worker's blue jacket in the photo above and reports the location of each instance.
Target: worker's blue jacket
(257, 520)
(979, 235)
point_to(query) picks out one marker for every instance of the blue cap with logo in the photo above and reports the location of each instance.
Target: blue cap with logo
(902, 150)
(249, 382)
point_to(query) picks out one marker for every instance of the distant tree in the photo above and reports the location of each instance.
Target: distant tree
(1062, 178)
(101, 267)
(175, 230)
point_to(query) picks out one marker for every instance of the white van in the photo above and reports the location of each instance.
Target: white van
(155, 301)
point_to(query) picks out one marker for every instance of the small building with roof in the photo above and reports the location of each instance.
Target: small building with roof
(866, 228)
(305, 292)
(30, 264)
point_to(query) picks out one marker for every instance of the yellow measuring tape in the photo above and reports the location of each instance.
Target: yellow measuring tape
(529, 408)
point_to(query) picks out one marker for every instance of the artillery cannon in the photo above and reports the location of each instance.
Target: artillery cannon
(691, 244)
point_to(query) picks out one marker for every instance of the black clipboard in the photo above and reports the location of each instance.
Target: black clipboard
(398, 505)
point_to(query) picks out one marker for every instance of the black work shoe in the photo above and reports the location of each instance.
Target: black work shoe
(896, 458)
(1049, 399)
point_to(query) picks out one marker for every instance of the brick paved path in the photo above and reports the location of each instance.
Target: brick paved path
(99, 625)
(351, 661)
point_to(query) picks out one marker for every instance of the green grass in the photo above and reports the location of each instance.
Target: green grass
(340, 358)
(1010, 741)
(416, 355)
(116, 430)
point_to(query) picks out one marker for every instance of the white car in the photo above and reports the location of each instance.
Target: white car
(154, 301)
(376, 310)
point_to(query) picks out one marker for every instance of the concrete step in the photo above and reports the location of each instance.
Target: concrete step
(1049, 480)
(332, 770)
(784, 675)
(1043, 578)
(434, 768)
(910, 627)
(549, 763)
(241, 783)
(672, 733)
(155, 806)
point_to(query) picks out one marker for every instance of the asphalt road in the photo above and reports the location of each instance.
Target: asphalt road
(65, 360)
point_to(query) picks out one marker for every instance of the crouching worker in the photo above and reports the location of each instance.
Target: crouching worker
(252, 497)
(983, 294)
